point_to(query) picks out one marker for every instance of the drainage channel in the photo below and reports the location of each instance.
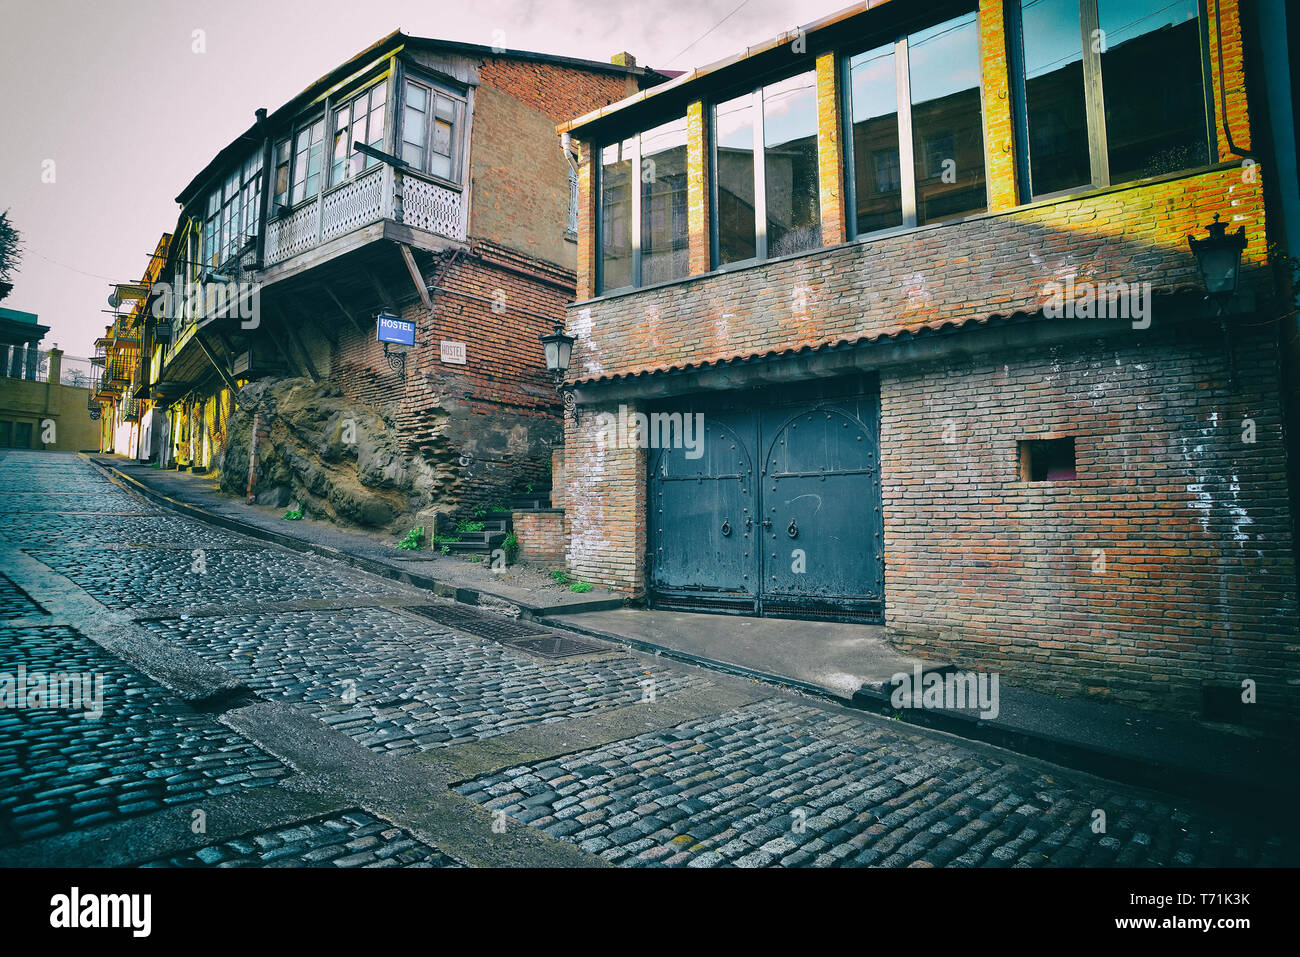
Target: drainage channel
(508, 631)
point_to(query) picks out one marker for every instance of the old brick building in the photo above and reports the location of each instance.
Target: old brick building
(421, 179)
(933, 296)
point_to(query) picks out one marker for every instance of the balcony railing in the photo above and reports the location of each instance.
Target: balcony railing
(378, 194)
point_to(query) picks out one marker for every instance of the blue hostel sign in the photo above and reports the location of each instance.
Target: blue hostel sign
(399, 332)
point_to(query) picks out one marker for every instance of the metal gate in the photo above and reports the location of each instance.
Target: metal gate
(778, 514)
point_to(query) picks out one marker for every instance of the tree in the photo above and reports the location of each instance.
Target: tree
(11, 248)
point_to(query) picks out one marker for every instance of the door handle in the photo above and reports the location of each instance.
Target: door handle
(726, 528)
(793, 529)
(766, 523)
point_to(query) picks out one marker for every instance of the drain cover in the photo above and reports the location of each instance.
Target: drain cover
(509, 631)
(555, 646)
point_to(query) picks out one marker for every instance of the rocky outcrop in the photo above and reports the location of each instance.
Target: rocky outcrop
(337, 458)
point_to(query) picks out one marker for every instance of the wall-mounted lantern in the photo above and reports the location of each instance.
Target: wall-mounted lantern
(559, 352)
(1219, 259)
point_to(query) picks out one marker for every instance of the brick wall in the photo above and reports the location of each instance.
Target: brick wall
(488, 425)
(1166, 564)
(605, 501)
(949, 273)
(541, 536)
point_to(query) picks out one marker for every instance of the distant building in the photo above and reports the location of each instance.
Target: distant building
(42, 405)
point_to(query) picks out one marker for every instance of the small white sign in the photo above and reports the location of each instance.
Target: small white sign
(453, 352)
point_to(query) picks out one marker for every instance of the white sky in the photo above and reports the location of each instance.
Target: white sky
(112, 92)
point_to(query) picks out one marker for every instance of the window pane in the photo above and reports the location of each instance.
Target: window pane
(442, 137)
(1151, 75)
(947, 126)
(873, 91)
(340, 151)
(734, 126)
(1058, 118)
(616, 215)
(413, 129)
(416, 97)
(664, 234)
(440, 165)
(790, 165)
(413, 154)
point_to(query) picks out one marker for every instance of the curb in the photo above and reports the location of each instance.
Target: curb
(1219, 789)
(466, 596)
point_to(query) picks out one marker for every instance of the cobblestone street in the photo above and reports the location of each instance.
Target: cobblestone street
(262, 707)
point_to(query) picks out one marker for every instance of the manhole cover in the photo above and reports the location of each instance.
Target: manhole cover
(555, 646)
(509, 631)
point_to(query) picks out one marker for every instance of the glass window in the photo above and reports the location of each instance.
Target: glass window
(359, 120)
(308, 157)
(665, 238)
(281, 185)
(415, 124)
(947, 123)
(734, 164)
(790, 180)
(1054, 103)
(616, 214)
(430, 122)
(873, 97)
(1151, 78)
(1146, 60)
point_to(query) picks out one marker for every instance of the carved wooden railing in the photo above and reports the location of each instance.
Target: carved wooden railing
(379, 193)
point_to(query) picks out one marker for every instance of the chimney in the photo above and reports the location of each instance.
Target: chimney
(55, 373)
(623, 59)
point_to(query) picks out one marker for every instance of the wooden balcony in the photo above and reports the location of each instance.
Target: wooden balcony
(378, 194)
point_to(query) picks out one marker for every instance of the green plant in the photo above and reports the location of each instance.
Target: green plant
(560, 576)
(470, 526)
(511, 547)
(529, 488)
(476, 558)
(580, 587)
(480, 511)
(293, 515)
(414, 539)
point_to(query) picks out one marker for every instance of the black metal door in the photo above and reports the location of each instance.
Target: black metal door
(701, 519)
(823, 548)
(801, 536)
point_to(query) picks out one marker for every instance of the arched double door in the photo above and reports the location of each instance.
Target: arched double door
(776, 512)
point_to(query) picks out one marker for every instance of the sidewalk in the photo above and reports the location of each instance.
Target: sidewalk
(528, 588)
(848, 663)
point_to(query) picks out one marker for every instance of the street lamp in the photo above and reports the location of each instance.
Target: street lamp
(559, 352)
(1219, 259)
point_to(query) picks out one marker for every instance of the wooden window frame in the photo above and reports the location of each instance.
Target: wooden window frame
(458, 126)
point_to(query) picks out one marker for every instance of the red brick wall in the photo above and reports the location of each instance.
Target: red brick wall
(541, 536)
(500, 409)
(605, 492)
(1192, 523)
(562, 93)
(997, 263)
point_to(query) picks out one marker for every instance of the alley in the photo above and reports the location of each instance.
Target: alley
(263, 707)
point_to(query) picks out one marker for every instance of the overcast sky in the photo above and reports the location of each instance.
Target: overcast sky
(112, 92)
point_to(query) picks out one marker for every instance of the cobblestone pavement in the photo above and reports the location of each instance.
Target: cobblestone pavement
(415, 685)
(351, 839)
(63, 768)
(316, 722)
(782, 782)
